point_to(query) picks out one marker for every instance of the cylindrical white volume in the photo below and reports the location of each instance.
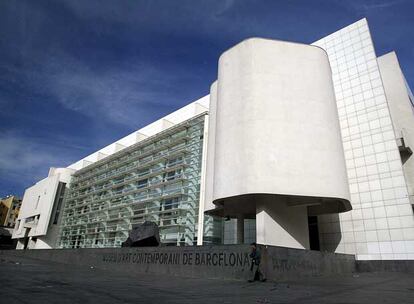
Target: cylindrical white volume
(276, 126)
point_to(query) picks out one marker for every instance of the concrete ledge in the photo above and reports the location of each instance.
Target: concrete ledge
(386, 266)
(225, 262)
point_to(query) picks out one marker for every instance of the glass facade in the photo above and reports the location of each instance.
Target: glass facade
(157, 179)
(230, 231)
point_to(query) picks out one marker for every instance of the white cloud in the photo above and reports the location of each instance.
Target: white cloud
(25, 160)
(124, 95)
(365, 7)
(381, 4)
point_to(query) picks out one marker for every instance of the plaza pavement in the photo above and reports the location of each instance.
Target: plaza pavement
(25, 280)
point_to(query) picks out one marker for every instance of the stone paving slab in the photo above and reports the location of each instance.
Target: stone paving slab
(25, 280)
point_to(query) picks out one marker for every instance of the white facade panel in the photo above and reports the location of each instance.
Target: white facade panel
(36, 210)
(37, 202)
(402, 114)
(211, 148)
(374, 166)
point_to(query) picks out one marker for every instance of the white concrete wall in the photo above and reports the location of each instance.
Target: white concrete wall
(279, 223)
(381, 224)
(274, 130)
(209, 173)
(401, 110)
(277, 127)
(38, 202)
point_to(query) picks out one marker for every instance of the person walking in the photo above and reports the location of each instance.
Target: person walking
(256, 268)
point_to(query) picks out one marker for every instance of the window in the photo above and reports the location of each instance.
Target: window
(145, 159)
(37, 202)
(143, 172)
(58, 201)
(174, 161)
(30, 219)
(142, 183)
(172, 175)
(170, 203)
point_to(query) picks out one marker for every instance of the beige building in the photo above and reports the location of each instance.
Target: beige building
(9, 210)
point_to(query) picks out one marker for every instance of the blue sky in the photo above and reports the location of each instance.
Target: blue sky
(78, 75)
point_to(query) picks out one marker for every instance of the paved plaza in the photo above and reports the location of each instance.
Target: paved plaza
(33, 281)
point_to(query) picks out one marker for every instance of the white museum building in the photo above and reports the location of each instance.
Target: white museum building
(301, 146)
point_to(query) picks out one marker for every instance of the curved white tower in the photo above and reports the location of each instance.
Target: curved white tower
(277, 152)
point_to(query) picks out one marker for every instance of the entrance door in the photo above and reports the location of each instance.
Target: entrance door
(313, 233)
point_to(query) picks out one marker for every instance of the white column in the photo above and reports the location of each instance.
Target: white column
(201, 207)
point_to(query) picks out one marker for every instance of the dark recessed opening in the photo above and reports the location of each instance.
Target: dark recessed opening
(313, 233)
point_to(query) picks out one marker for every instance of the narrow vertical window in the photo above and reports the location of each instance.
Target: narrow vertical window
(37, 202)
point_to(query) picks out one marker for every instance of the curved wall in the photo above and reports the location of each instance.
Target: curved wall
(276, 128)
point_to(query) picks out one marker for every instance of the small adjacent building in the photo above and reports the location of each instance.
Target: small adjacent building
(9, 210)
